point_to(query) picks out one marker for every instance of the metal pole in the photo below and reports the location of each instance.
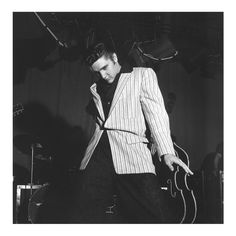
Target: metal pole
(32, 170)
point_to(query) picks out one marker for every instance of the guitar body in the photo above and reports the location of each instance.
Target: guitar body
(179, 196)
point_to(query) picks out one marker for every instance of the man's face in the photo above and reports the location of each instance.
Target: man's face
(107, 68)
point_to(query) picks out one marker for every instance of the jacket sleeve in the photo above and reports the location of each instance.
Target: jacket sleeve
(155, 114)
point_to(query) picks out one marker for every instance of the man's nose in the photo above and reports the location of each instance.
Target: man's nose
(103, 74)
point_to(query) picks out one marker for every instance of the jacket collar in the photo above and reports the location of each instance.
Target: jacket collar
(125, 74)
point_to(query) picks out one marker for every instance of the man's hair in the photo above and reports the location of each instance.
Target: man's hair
(96, 51)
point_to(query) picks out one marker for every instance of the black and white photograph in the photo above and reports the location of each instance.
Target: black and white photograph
(118, 117)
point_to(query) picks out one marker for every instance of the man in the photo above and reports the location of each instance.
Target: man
(117, 159)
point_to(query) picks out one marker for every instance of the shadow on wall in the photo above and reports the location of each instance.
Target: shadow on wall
(58, 150)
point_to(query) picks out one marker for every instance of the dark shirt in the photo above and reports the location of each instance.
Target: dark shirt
(107, 90)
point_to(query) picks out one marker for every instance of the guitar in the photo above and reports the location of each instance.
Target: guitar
(175, 184)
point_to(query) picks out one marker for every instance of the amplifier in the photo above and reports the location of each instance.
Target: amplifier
(22, 198)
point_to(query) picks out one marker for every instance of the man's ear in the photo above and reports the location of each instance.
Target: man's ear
(114, 57)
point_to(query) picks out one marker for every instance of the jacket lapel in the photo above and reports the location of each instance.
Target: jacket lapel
(120, 86)
(97, 100)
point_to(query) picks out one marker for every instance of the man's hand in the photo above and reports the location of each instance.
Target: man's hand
(170, 159)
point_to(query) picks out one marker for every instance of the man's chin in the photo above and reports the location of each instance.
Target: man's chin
(109, 81)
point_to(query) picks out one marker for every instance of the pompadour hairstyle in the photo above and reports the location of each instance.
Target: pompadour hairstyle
(96, 51)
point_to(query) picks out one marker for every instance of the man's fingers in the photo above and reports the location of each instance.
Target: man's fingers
(171, 159)
(170, 167)
(185, 167)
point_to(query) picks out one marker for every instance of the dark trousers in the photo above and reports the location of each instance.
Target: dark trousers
(139, 196)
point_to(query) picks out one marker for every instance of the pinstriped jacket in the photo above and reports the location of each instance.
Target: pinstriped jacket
(137, 98)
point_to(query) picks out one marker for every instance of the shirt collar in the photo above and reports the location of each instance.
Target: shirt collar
(126, 68)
